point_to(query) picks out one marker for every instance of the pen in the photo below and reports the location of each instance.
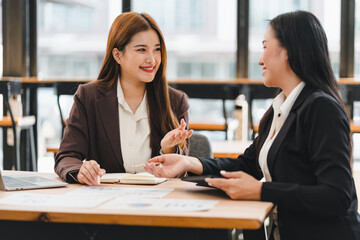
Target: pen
(141, 165)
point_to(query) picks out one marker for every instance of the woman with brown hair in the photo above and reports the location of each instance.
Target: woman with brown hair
(129, 114)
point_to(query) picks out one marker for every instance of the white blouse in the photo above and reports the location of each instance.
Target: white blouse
(134, 133)
(282, 107)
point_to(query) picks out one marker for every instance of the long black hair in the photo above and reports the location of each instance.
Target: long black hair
(302, 35)
(305, 40)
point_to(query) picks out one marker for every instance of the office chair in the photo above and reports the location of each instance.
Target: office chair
(64, 88)
(14, 119)
(257, 92)
(200, 146)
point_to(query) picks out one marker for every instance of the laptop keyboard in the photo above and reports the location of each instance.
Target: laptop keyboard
(34, 179)
(13, 182)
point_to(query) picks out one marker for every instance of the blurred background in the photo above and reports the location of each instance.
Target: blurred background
(202, 39)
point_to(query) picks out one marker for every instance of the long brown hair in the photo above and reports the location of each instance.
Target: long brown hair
(124, 27)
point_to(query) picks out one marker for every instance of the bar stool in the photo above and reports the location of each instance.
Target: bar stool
(17, 122)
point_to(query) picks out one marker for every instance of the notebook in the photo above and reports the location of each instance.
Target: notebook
(129, 178)
(27, 181)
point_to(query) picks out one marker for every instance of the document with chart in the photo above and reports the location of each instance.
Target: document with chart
(160, 204)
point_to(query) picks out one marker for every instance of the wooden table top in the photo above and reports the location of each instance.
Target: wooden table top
(355, 128)
(226, 214)
(229, 149)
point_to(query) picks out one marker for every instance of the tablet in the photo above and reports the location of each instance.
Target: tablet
(200, 179)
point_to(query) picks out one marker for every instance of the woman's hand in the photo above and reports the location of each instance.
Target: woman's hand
(172, 165)
(175, 137)
(238, 185)
(90, 173)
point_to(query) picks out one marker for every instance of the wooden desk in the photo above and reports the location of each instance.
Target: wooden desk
(354, 128)
(227, 214)
(229, 149)
(208, 126)
(6, 121)
(53, 150)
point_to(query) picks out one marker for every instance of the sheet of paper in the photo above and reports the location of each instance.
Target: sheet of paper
(52, 200)
(121, 192)
(160, 204)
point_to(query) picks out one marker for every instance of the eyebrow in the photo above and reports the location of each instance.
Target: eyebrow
(143, 45)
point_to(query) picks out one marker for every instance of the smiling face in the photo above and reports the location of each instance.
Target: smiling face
(274, 61)
(141, 57)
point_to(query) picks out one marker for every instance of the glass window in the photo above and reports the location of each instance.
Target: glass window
(1, 73)
(327, 11)
(72, 36)
(200, 36)
(1, 41)
(71, 44)
(357, 40)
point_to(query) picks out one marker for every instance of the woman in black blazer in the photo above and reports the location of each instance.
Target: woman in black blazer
(303, 149)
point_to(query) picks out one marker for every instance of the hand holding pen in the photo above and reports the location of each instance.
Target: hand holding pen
(90, 173)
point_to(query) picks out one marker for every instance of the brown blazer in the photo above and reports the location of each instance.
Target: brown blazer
(92, 130)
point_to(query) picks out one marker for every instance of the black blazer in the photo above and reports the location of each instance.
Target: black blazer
(309, 163)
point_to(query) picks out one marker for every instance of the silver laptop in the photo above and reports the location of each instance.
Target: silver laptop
(27, 181)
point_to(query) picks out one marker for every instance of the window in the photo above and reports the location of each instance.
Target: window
(72, 37)
(357, 39)
(71, 44)
(200, 36)
(260, 11)
(1, 73)
(1, 41)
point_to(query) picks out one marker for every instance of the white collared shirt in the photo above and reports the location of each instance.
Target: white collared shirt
(282, 107)
(134, 133)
